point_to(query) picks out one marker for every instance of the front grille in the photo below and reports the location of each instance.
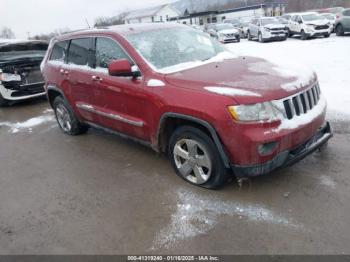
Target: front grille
(278, 32)
(321, 27)
(276, 29)
(27, 90)
(303, 102)
(230, 35)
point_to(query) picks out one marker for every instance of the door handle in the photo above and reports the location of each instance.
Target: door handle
(64, 72)
(96, 78)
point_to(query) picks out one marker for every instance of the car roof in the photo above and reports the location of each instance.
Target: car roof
(126, 29)
(309, 13)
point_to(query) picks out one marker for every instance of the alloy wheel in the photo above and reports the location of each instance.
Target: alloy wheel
(63, 118)
(192, 161)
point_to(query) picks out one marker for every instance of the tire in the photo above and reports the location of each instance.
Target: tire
(3, 102)
(260, 38)
(303, 35)
(66, 118)
(196, 159)
(327, 35)
(238, 39)
(249, 36)
(284, 39)
(339, 30)
(290, 33)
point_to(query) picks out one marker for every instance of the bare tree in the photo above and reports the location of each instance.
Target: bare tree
(7, 33)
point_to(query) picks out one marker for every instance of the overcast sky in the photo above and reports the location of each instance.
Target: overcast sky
(44, 16)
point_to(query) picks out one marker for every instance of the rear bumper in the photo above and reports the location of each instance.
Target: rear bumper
(287, 158)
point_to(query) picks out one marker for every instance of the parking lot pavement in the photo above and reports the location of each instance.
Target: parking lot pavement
(100, 194)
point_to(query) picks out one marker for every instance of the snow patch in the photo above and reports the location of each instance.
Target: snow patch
(229, 91)
(327, 181)
(27, 125)
(155, 83)
(196, 215)
(188, 65)
(303, 75)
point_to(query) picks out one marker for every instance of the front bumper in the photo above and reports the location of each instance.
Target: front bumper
(287, 158)
(225, 40)
(24, 92)
(315, 33)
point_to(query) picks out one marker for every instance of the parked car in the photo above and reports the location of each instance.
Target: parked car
(236, 22)
(182, 93)
(343, 23)
(20, 76)
(332, 18)
(225, 32)
(267, 29)
(309, 25)
(243, 26)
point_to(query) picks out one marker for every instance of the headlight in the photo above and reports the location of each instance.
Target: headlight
(266, 29)
(5, 77)
(255, 113)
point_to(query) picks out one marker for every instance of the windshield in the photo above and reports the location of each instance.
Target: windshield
(165, 48)
(311, 17)
(220, 27)
(269, 21)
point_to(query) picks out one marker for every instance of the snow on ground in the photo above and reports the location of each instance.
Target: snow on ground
(28, 125)
(196, 215)
(329, 58)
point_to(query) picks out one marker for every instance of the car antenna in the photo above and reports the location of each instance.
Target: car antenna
(87, 22)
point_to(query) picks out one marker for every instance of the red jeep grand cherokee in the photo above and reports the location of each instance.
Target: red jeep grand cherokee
(182, 93)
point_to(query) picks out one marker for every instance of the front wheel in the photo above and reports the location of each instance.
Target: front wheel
(66, 118)
(303, 35)
(261, 39)
(3, 101)
(249, 36)
(327, 35)
(196, 159)
(339, 30)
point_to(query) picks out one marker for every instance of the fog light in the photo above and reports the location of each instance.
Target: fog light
(267, 148)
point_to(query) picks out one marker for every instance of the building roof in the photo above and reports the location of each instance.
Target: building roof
(146, 12)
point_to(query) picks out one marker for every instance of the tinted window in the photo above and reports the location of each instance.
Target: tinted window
(59, 51)
(108, 50)
(347, 13)
(80, 51)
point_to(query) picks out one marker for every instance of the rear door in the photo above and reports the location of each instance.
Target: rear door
(78, 73)
(122, 100)
(346, 19)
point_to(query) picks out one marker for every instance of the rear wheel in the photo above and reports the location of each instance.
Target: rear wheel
(66, 119)
(196, 159)
(339, 30)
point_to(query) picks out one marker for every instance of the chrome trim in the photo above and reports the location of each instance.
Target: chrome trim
(91, 109)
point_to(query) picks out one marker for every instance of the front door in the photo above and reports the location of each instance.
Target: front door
(122, 100)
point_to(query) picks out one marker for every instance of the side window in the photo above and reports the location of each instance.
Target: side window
(294, 18)
(108, 50)
(80, 51)
(347, 13)
(59, 51)
(299, 20)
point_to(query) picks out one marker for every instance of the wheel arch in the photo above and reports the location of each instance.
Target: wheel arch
(53, 92)
(169, 122)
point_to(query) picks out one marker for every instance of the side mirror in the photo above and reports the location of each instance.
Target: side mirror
(300, 22)
(122, 67)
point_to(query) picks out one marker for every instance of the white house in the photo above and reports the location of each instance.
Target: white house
(243, 13)
(160, 13)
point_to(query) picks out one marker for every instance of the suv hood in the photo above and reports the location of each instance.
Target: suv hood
(274, 26)
(228, 31)
(247, 80)
(318, 22)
